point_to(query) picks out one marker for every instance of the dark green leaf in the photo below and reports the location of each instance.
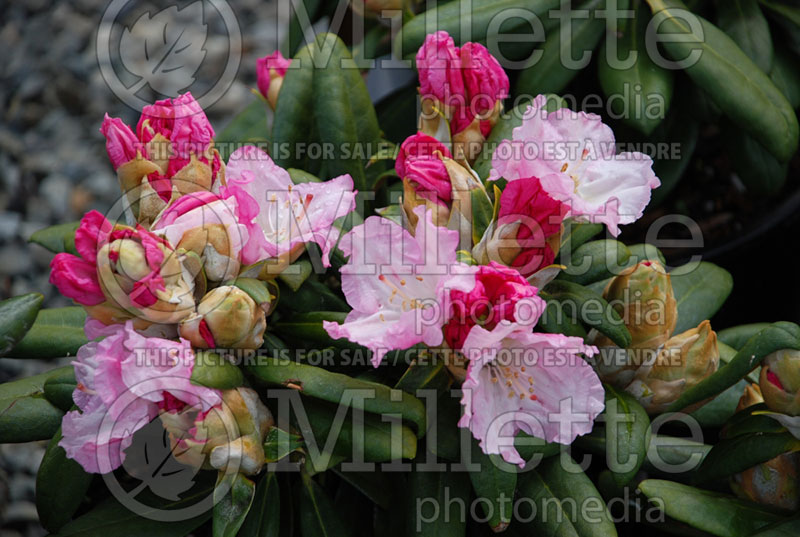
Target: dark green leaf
(215, 371)
(700, 290)
(58, 238)
(263, 520)
(279, 444)
(17, 315)
(627, 435)
(318, 518)
(291, 126)
(593, 261)
(737, 336)
(734, 82)
(786, 76)
(61, 486)
(59, 386)
(496, 481)
(744, 22)
(56, 332)
(431, 514)
(230, 511)
(717, 514)
(248, 126)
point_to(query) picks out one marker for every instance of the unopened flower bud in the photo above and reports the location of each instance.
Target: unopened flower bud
(773, 483)
(226, 318)
(527, 233)
(228, 437)
(684, 361)
(780, 381)
(172, 153)
(270, 71)
(751, 396)
(642, 295)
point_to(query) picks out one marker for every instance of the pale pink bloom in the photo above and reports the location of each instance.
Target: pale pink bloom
(123, 382)
(468, 80)
(398, 283)
(269, 70)
(207, 225)
(519, 380)
(574, 156)
(279, 215)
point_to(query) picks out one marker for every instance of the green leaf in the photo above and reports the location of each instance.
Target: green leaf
(318, 518)
(335, 388)
(734, 82)
(382, 441)
(777, 336)
(58, 238)
(555, 486)
(279, 444)
(482, 213)
(627, 435)
(25, 413)
(577, 233)
(215, 371)
(295, 34)
(61, 485)
(307, 327)
(734, 455)
(230, 511)
(593, 261)
(296, 273)
(496, 481)
(17, 315)
(248, 126)
(549, 74)
(675, 451)
(714, 513)
(589, 307)
(758, 169)
(424, 373)
(301, 176)
(744, 22)
(784, 528)
(453, 17)
(312, 296)
(700, 290)
(255, 289)
(717, 411)
(59, 386)
(635, 93)
(431, 514)
(343, 112)
(110, 517)
(737, 336)
(370, 484)
(293, 119)
(56, 332)
(786, 77)
(263, 520)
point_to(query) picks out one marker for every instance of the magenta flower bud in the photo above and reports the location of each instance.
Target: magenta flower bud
(498, 293)
(171, 153)
(527, 233)
(464, 85)
(123, 273)
(270, 71)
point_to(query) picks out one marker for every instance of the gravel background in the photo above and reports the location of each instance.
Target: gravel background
(53, 164)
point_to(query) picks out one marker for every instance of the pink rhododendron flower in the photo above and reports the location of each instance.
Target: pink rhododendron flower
(574, 156)
(208, 226)
(499, 294)
(397, 284)
(525, 381)
(270, 71)
(282, 217)
(527, 233)
(123, 382)
(122, 272)
(172, 151)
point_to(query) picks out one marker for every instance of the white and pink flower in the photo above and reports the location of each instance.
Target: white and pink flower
(397, 284)
(518, 380)
(574, 156)
(281, 217)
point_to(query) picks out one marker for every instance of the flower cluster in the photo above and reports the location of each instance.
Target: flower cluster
(169, 283)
